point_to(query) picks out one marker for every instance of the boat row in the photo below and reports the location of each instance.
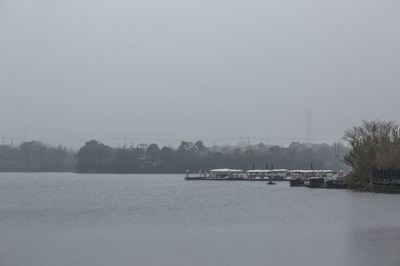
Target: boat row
(238, 175)
(310, 178)
(318, 179)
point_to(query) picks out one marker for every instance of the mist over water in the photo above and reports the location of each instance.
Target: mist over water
(72, 219)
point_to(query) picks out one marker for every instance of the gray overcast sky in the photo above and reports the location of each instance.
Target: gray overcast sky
(196, 69)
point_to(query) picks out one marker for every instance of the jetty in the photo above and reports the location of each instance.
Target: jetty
(296, 178)
(224, 174)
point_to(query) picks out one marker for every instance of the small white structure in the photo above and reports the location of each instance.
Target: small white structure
(300, 174)
(257, 173)
(276, 173)
(328, 175)
(226, 173)
(279, 174)
(306, 174)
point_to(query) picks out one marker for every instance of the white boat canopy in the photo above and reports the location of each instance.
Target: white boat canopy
(300, 171)
(258, 171)
(280, 170)
(267, 171)
(226, 170)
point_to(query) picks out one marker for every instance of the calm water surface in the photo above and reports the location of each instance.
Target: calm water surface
(71, 219)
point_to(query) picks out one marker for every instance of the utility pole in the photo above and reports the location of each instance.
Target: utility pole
(336, 155)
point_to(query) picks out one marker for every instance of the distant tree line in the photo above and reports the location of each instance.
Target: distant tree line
(96, 157)
(373, 145)
(34, 156)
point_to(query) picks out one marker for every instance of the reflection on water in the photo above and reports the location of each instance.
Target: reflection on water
(69, 219)
(377, 245)
(375, 229)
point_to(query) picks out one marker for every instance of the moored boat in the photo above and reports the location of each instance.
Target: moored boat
(315, 182)
(217, 174)
(297, 178)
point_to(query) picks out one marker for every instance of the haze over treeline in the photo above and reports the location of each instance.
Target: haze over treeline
(80, 69)
(96, 157)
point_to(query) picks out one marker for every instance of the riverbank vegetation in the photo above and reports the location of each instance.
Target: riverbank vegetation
(373, 145)
(34, 156)
(96, 157)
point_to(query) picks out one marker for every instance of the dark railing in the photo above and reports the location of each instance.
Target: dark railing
(386, 180)
(386, 176)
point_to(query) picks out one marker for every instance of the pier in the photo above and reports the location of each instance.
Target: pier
(297, 178)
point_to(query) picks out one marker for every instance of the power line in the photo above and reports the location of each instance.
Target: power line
(166, 139)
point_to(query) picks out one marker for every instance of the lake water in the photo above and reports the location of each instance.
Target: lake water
(71, 219)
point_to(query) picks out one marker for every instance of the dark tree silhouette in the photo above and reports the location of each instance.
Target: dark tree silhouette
(34, 156)
(94, 157)
(153, 152)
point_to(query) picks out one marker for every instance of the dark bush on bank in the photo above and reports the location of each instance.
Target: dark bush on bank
(373, 145)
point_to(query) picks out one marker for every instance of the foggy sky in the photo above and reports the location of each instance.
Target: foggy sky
(218, 70)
